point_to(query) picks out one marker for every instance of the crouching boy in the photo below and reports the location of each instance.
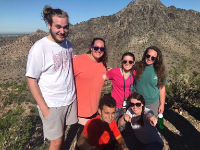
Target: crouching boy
(102, 133)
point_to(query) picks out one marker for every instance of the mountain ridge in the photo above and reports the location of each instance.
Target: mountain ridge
(142, 23)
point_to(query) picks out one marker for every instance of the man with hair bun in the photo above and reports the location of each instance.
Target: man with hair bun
(50, 77)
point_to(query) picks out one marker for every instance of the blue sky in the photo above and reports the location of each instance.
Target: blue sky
(24, 16)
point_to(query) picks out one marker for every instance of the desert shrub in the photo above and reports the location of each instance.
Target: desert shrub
(184, 85)
(17, 94)
(106, 91)
(14, 97)
(14, 85)
(16, 130)
(22, 87)
(5, 85)
(9, 127)
(8, 100)
(16, 126)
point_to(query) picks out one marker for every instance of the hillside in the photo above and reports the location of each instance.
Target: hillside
(139, 25)
(14, 52)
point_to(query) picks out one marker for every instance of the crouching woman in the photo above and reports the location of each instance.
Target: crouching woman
(143, 123)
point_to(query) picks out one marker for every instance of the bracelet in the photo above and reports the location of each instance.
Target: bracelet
(150, 114)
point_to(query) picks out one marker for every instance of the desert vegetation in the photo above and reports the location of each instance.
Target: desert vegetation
(19, 119)
(184, 86)
(139, 25)
(20, 125)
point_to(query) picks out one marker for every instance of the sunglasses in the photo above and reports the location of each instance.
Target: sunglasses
(152, 57)
(96, 48)
(137, 104)
(125, 61)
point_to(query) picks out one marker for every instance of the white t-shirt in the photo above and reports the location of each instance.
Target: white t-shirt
(51, 64)
(146, 134)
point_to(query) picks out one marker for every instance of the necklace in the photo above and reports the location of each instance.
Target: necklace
(125, 82)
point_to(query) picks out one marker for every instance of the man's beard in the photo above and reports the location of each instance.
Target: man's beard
(53, 35)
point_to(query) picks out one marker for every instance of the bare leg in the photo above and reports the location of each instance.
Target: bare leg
(56, 144)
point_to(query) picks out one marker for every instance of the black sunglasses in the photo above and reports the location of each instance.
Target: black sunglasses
(96, 48)
(137, 104)
(152, 57)
(125, 61)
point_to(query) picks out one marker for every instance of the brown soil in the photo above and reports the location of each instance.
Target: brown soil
(182, 129)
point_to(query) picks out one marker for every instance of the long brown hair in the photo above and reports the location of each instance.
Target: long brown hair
(140, 98)
(158, 66)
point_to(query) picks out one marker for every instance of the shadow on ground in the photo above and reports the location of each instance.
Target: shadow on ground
(192, 110)
(189, 138)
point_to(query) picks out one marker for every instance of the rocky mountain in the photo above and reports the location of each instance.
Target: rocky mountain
(14, 52)
(141, 24)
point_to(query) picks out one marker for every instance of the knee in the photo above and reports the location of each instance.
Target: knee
(56, 144)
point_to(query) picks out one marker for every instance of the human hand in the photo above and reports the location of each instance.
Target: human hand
(125, 148)
(153, 120)
(46, 113)
(120, 147)
(127, 118)
(161, 109)
(108, 69)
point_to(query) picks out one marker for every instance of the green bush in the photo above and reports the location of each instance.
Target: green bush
(20, 87)
(16, 95)
(184, 86)
(16, 130)
(16, 127)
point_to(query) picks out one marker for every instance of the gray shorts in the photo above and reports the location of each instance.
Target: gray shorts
(54, 124)
(154, 107)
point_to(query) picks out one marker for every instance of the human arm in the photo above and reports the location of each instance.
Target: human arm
(83, 143)
(121, 143)
(125, 118)
(152, 119)
(107, 71)
(106, 78)
(162, 99)
(35, 91)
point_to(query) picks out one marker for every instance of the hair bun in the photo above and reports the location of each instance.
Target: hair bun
(47, 10)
